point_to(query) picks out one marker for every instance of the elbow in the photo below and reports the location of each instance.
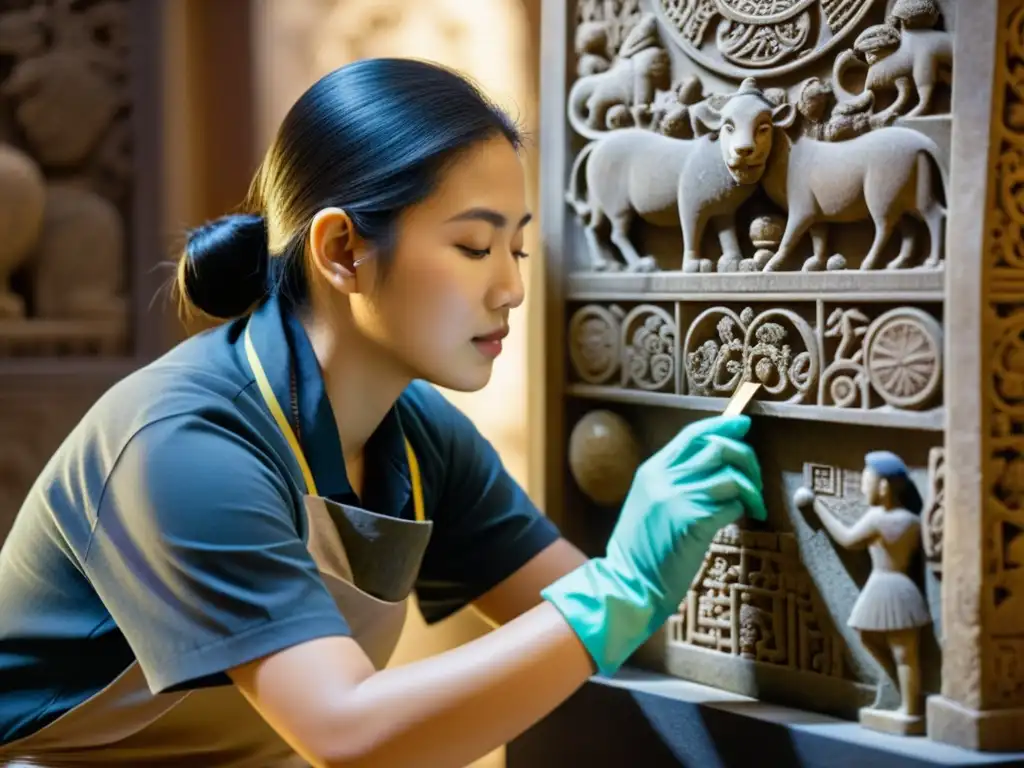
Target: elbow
(353, 741)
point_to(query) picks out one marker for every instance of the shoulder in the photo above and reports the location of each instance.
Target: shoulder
(192, 408)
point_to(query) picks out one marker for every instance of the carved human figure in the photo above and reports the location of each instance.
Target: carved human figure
(890, 611)
(904, 54)
(631, 82)
(679, 182)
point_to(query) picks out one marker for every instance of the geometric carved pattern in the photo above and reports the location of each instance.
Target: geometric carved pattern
(752, 598)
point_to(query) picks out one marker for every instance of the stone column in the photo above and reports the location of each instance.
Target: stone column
(982, 701)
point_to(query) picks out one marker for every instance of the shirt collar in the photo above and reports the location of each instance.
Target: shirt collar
(281, 342)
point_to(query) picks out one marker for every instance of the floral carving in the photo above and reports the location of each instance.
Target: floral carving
(751, 347)
(648, 344)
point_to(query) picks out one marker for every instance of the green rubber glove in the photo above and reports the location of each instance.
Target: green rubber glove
(702, 480)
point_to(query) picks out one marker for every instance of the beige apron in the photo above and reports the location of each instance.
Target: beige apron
(368, 562)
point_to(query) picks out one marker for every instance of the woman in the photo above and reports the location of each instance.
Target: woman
(213, 569)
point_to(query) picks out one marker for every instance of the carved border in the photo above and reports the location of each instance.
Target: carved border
(827, 360)
(1002, 336)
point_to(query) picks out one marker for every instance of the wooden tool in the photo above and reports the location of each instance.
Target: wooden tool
(743, 395)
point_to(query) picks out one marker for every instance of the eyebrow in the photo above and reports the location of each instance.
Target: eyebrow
(493, 218)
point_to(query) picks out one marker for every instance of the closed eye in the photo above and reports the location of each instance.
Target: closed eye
(479, 253)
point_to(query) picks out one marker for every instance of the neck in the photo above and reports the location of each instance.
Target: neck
(776, 172)
(362, 381)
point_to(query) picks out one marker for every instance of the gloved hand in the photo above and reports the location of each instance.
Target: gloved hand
(681, 496)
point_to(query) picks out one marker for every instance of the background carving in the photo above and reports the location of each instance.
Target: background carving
(66, 167)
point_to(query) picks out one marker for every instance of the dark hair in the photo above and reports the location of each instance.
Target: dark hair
(372, 138)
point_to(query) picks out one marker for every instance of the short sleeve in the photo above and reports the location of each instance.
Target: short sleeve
(196, 554)
(485, 526)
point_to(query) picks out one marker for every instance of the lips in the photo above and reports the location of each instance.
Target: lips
(497, 335)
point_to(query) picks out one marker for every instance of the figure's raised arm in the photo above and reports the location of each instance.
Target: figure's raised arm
(848, 536)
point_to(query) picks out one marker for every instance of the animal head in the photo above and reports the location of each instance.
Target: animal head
(877, 42)
(745, 125)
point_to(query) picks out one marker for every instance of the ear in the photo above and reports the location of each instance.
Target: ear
(705, 118)
(784, 115)
(333, 247)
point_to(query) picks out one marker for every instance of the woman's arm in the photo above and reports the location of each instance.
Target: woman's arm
(325, 699)
(521, 591)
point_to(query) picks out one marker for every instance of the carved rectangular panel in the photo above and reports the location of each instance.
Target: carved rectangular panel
(758, 192)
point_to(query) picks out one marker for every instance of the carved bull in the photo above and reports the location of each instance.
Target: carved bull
(882, 175)
(679, 182)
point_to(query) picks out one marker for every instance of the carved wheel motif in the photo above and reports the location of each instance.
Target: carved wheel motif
(594, 342)
(760, 37)
(904, 357)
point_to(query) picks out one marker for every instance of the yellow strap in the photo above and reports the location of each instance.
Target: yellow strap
(282, 422)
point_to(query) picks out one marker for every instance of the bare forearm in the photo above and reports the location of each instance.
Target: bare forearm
(455, 707)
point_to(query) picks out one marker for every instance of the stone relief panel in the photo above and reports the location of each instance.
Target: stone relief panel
(65, 177)
(818, 141)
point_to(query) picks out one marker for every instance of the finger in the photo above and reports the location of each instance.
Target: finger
(729, 484)
(718, 451)
(735, 427)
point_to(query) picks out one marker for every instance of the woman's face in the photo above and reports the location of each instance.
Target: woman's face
(444, 304)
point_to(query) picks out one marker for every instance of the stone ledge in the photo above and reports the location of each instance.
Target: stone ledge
(845, 285)
(655, 721)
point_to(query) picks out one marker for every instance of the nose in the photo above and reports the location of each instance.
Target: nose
(743, 150)
(507, 290)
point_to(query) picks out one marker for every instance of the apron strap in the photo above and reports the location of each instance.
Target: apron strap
(282, 422)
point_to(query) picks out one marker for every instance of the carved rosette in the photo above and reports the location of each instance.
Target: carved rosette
(649, 349)
(897, 357)
(594, 346)
(753, 598)
(760, 37)
(1003, 345)
(775, 348)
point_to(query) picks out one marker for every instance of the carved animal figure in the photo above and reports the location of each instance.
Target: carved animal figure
(880, 175)
(907, 60)
(679, 182)
(642, 68)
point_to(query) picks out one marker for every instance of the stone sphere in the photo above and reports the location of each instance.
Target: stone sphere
(603, 456)
(766, 231)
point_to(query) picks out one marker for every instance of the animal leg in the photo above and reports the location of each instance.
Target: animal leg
(906, 246)
(599, 259)
(819, 241)
(883, 229)
(924, 99)
(899, 104)
(731, 255)
(795, 228)
(933, 218)
(693, 223)
(620, 237)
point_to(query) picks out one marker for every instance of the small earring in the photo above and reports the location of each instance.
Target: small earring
(357, 262)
